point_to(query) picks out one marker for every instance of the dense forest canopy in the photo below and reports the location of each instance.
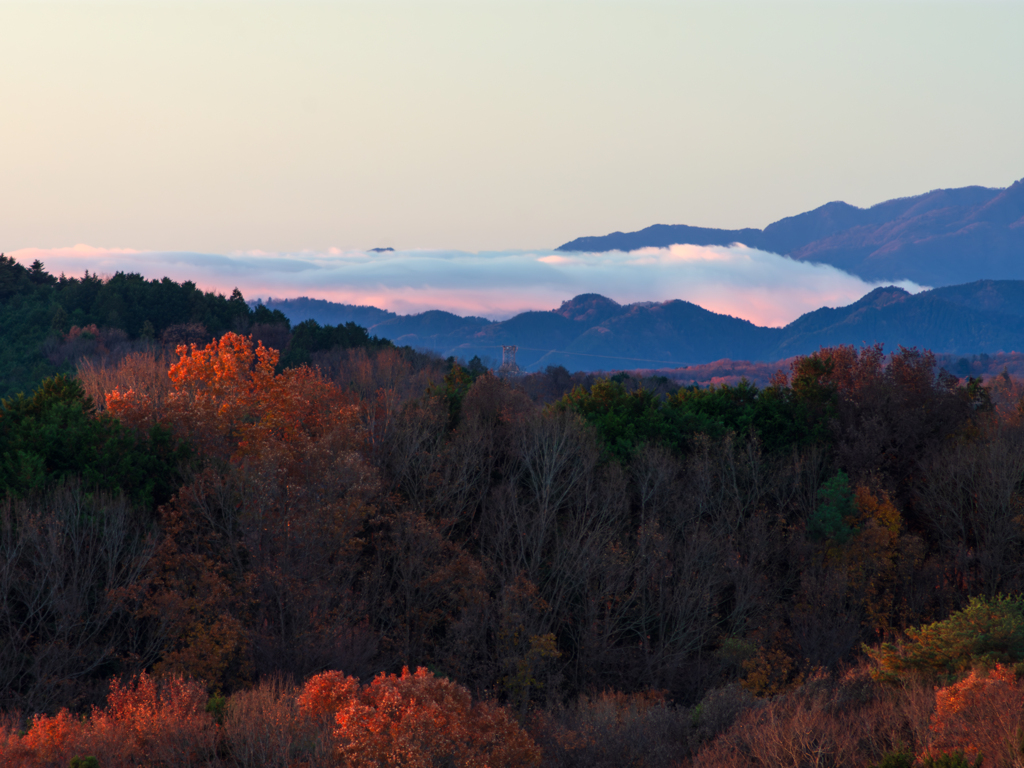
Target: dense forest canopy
(285, 528)
(49, 324)
(38, 310)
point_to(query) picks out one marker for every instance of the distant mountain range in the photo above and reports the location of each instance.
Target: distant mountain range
(591, 332)
(944, 237)
(328, 312)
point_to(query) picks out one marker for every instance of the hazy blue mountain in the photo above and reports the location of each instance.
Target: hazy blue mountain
(894, 317)
(943, 237)
(592, 308)
(328, 312)
(1003, 296)
(665, 333)
(592, 332)
(435, 329)
(663, 235)
(535, 333)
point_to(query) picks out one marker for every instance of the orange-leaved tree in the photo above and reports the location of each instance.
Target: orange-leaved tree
(415, 720)
(983, 714)
(145, 722)
(229, 402)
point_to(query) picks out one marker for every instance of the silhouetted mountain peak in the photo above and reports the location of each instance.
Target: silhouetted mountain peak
(790, 233)
(591, 308)
(881, 297)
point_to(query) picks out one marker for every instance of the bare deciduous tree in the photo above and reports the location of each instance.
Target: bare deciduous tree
(71, 563)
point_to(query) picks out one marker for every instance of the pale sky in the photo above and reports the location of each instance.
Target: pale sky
(224, 127)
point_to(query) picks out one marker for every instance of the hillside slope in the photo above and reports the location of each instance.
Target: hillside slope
(943, 237)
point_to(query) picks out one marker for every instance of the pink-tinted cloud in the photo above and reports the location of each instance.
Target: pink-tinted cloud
(74, 252)
(764, 288)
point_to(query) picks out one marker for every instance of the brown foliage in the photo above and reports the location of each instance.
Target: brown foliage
(404, 375)
(346, 517)
(192, 592)
(614, 729)
(91, 344)
(143, 372)
(262, 726)
(71, 564)
(255, 575)
(184, 334)
(420, 583)
(892, 411)
(850, 723)
(257, 567)
(970, 495)
(860, 590)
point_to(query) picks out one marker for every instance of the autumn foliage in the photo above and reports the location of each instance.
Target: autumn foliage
(982, 714)
(415, 720)
(229, 402)
(634, 573)
(256, 560)
(145, 721)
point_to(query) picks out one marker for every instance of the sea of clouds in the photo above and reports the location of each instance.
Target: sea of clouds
(765, 288)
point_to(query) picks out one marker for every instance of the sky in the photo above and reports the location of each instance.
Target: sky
(483, 127)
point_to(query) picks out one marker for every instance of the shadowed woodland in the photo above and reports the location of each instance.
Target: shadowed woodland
(305, 547)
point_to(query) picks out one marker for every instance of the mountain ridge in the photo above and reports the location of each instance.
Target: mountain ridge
(940, 238)
(593, 332)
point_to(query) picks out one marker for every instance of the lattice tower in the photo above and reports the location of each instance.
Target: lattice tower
(508, 362)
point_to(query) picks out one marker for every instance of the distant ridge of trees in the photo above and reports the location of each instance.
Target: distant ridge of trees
(984, 367)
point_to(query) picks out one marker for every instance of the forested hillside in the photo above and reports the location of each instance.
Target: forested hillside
(49, 325)
(370, 556)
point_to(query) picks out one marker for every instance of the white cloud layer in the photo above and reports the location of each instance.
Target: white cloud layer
(762, 287)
